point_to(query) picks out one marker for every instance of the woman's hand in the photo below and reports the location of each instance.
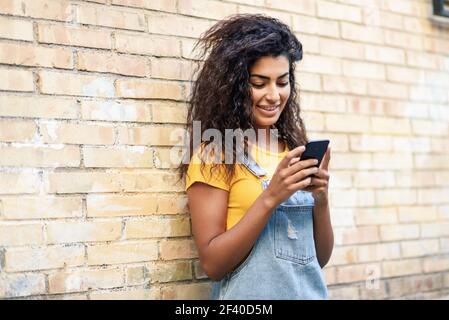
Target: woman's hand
(319, 186)
(290, 176)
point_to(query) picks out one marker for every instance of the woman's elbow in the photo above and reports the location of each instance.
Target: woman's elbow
(212, 271)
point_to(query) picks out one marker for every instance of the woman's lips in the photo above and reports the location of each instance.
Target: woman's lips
(269, 111)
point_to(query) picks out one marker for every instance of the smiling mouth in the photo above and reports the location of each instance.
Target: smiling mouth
(269, 108)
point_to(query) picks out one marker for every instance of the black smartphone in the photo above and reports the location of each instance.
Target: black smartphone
(315, 150)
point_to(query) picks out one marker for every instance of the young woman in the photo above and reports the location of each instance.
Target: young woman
(261, 225)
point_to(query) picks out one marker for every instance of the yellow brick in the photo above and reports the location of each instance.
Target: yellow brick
(403, 39)
(40, 207)
(74, 36)
(352, 198)
(355, 273)
(135, 275)
(171, 204)
(169, 112)
(154, 181)
(384, 54)
(340, 48)
(305, 7)
(166, 68)
(344, 85)
(350, 31)
(38, 107)
(423, 60)
(162, 5)
(376, 216)
(435, 264)
(329, 275)
(344, 293)
(14, 234)
(48, 156)
(83, 231)
(417, 213)
(17, 131)
(429, 93)
(433, 230)
(347, 123)
(167, 272)
(378, 252)
(81, 182)
(430, 128)
(396, 197)
(334, 11)
(401, 267)
(387, 90)
(323, 102)
(114, 206)
(16, 80)
(392, 161)
(126, 252)
(43, 9)
(147, 45)
(414, 144)
(129, 157)
(148, 89)
(365, 234)
(374, 179)
(351, 161)
(365, 70)
(405, 75)
(75, 84)
(103, 16)
(367, 142)
(165, 158)
(399, 232)
(169, 24)
(154, 136)
(131, 294)
(156, 227)
(21, 285)
(76, 133)
(25, 181)
(194, 291)
(308, 81)
(206, 9)
(342, 217)
(321, 65)
(83, 280)
(178, 249)
(311, 25)
(419, 248)
(28, 55)
(113, 63)
(343, 255)
(109, 110)
(16, 29)
(40, 259)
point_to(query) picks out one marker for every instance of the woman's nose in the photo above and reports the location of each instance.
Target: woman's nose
(273, 95)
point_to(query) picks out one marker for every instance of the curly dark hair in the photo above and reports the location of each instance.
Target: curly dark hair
(221, 96)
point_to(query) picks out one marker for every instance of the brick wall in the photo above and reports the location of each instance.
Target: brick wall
(90, 92)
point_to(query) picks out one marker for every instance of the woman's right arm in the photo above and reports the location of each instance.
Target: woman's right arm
(220, 251)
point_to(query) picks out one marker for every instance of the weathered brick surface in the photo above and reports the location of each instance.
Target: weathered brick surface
(93, 95)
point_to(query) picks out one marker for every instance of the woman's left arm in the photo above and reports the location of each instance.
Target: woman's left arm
(322, 226)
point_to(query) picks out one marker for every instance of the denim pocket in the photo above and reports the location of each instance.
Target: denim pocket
(293, 233)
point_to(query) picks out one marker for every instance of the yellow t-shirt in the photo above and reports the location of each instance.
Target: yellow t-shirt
(244, 187)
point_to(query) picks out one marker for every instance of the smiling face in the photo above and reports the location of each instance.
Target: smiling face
(270, 89)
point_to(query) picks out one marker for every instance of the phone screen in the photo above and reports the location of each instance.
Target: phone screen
(315, 150)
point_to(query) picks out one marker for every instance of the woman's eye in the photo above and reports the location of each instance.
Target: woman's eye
(283, 84)
(257, 85)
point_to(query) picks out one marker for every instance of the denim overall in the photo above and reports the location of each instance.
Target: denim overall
(282, 263)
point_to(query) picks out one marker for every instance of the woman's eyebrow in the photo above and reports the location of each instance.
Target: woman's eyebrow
(265, 77)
